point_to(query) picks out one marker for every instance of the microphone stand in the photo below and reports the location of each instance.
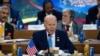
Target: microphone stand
(48, 54)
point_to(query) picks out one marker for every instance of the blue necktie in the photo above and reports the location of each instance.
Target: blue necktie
(50, 41)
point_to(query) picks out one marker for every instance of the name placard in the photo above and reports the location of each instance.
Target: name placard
(89, 27)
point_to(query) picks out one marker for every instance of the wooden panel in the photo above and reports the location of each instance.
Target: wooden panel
(27, 34)
(91, 34)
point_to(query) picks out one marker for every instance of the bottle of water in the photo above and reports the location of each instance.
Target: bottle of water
(81, 37)
(97, 23)
(19, 25)
(19, 51)
(91, 51)
(39, 22)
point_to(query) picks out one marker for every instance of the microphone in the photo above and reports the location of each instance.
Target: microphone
(49, 54)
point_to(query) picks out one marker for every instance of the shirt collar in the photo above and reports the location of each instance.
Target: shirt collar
(2, 23)
(70, 23)
(53, 35)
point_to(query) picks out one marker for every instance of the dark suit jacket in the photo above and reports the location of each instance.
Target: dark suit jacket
(77, 27)
(42, 14)
(14, 14)
(9, 29)
(98, 36)
(40, 39)
(92, 15)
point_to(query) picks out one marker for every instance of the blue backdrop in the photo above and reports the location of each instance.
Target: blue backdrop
(29, 8)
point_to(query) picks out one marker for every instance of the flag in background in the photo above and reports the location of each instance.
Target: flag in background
(31, 49)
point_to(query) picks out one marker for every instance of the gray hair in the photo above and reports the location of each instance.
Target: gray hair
(5, 7)
(70, 11)
(66, 10)
(50, 17)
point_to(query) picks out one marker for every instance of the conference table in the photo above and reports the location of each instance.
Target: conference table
(7, 47)
(27, 34)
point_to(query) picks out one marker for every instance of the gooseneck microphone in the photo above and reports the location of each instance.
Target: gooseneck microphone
(49, 54)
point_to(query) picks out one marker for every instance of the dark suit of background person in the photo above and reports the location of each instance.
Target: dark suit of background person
(8, 28)
(92, 14)
(40, 39)
(52, 11)
(14, 14)
(98, 36)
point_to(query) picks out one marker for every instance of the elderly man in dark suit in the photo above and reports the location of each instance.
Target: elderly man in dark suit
(68, 24)
(93, 14)
(48, 10)
(8, 28)
(58, 39)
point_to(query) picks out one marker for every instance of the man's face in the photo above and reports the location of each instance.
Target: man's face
(50, 25)
(48, 8)
(6, 2)
(4, 15)
(66, 17)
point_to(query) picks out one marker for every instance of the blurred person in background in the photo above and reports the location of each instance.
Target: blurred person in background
(14, 14)
(48, 9)
(6, 29)
(93, 14)
(68, 24)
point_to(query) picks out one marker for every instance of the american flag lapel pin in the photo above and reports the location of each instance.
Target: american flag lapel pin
(58, 39)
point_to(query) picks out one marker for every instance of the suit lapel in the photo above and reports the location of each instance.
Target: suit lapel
(45, 40)
(63, 27)
(5, 28)
(57, 39)
(74, 27)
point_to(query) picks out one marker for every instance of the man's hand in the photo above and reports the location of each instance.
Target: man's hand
(70, 34)
(8, 37)
(46, 51)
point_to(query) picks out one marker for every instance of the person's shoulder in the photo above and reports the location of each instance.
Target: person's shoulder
(77, 23)
(94, 7)
(60, 31)
(41, 11)
(8, 24)
(55, 11)
(59, 22)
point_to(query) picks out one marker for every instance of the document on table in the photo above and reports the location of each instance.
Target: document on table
(18, 40)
